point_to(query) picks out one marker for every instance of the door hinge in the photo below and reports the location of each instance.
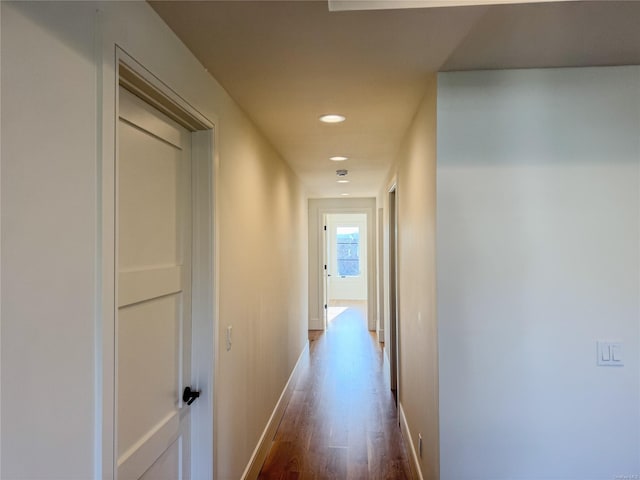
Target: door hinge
(325, 228)
(325, 267)
(325, 306)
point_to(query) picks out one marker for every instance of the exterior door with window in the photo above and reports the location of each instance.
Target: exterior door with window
(347, 257)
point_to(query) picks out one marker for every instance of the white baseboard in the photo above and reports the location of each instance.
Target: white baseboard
(264, 444)
(408, 445)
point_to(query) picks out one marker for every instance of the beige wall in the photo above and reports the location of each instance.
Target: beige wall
(263, 293)
(415, 173)
(50, 309)
(537, 259)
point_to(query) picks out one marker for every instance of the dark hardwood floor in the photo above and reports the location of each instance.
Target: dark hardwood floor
(341, 421)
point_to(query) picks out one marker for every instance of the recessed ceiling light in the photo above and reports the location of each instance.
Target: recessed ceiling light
(343, 181)
(345, 194)
(332, 118)
(339, 158)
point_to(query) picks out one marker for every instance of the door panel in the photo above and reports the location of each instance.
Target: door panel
(169, 462)
(154, 293)
(148, 175)
(148, 348)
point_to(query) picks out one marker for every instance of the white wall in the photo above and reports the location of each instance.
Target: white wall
(48, 190)
(50, 394)
(538, 258)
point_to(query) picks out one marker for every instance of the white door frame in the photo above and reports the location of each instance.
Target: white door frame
(381, 274)
(371, 261)
(118, 66)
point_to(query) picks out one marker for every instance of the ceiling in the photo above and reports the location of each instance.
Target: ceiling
(287, 62)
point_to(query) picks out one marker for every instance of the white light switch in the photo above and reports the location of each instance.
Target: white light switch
(610, 354)
(616, 353)
(229, 329)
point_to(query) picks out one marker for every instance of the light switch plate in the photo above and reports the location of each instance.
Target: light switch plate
(610, 354)
(229, 342)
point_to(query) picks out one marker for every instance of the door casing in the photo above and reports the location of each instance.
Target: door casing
(118, 67)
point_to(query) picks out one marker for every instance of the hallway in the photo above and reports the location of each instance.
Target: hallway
(341, 421)
(493, 148)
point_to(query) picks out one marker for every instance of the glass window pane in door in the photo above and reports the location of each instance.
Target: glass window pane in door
(348, 251)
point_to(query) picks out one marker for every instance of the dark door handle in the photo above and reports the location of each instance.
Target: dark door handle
(189, 396)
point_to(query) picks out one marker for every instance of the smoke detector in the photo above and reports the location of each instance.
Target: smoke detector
(342, 172)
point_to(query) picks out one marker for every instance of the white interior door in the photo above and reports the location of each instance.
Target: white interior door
(153, 327)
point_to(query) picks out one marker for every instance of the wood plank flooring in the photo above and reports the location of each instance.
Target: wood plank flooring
(341, 421)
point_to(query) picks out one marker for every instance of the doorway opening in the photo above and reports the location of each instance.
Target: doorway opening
(319, 263)
(346, 261)
(393, 293)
